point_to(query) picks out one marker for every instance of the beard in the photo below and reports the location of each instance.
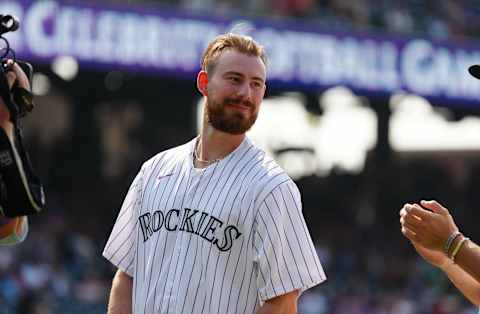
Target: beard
(232, 122)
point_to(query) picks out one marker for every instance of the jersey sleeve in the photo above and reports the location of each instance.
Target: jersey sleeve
(285, 254)
(121, 245)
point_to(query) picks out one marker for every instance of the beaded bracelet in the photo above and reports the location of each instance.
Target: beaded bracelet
(449, 242)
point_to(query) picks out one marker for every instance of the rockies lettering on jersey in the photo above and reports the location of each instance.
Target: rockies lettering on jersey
(151, 223)
(222, 239)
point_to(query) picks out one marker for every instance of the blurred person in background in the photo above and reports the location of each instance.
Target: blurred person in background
(12, 230)
(214, 225)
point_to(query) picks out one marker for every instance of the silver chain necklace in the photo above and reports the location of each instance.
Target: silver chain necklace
(195, 155)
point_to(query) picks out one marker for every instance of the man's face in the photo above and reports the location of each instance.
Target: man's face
(235, 91)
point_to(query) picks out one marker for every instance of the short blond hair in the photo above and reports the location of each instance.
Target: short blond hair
(230, 41)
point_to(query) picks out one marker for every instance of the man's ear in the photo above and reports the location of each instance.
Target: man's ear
(202, 82)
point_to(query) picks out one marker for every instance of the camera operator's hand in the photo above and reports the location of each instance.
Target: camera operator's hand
(14, 75)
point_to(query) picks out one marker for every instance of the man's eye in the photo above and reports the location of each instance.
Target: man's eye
(234, 79)
(257, 84)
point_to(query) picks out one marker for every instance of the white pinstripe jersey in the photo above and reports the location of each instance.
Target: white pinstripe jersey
(222, 239)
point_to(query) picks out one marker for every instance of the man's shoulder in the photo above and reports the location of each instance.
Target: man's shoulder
(269, 173)
(266, 165)
(170, 156)
(271, 179)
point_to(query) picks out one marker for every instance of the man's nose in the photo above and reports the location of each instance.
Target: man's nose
(244, 91)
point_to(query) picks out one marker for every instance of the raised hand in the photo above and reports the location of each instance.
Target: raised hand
(430, 225)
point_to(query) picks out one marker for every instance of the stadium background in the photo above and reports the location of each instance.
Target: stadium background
(95, 124)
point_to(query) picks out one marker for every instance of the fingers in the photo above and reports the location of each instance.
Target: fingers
(405, 209)
(430, 226)
(11, 78)
(21, 76)
(409, 234)
(435, 207)
(412, 226)
(412, 222)
(416, 210)
(16, 74)
(413, 218)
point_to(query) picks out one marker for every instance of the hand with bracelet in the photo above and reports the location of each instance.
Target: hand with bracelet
(435, 236)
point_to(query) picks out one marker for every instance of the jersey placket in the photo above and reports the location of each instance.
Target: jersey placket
(169, 302)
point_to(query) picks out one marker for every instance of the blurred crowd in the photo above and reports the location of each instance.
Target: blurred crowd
(445, 19)
(371, 268)
(57, 270)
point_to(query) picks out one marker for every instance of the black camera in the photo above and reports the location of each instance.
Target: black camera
(21, 192)
(19, 101)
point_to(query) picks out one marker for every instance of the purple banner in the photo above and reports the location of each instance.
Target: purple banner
(300, 56)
